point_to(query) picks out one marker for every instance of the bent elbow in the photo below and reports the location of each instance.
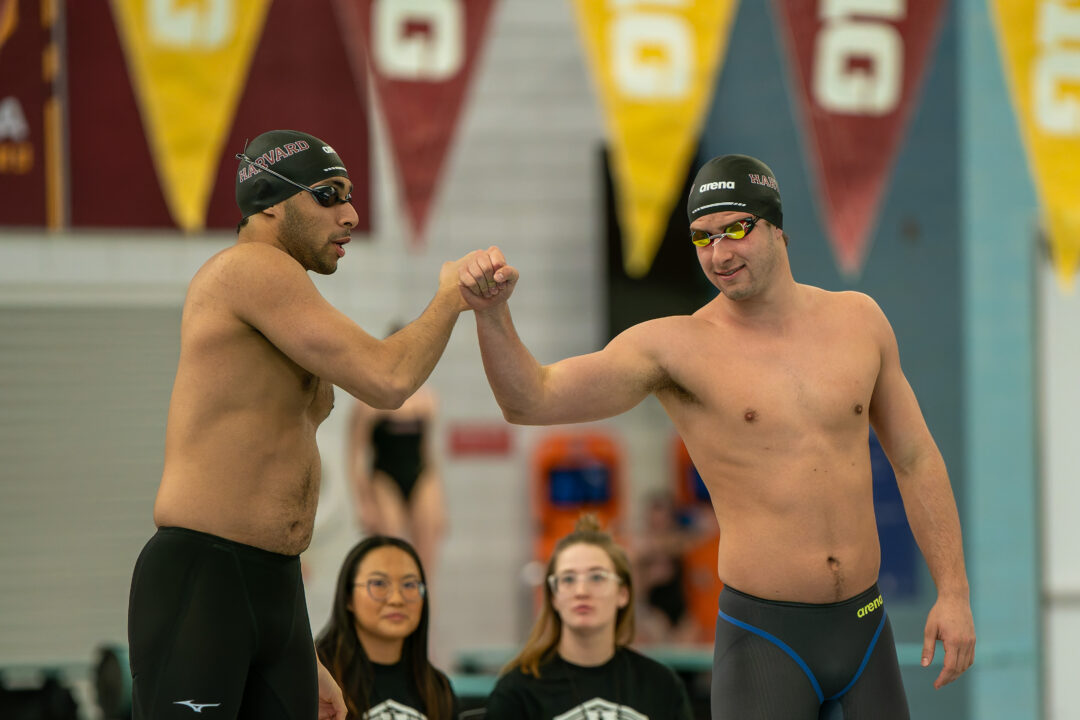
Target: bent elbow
(395, 396)
(387, 395)
(517, 416)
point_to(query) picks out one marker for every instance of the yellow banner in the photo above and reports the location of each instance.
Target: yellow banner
(189, 60)
(1040, 47)
(655, 63)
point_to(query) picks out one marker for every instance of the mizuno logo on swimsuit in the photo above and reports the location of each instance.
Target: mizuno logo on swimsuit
(719, 185)
(870, 606)
(197, 707)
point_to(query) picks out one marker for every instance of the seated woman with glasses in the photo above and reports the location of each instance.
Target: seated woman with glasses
(576, 662)
(376, 642)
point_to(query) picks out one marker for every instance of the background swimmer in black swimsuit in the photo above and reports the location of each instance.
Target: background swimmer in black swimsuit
(394, 474)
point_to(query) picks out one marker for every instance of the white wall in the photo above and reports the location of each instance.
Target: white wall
(1059, 345)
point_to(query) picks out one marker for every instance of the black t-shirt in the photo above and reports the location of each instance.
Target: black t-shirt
(630, 686)
(393, 696)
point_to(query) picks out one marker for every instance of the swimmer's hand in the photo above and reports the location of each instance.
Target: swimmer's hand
(485, 280)
(950, 622)
(331, 702)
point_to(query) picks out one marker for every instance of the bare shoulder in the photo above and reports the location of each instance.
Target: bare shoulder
(658, 348)
(256, 281)
(250, 262)
(860, 313)
(851, 305)
(661, 333)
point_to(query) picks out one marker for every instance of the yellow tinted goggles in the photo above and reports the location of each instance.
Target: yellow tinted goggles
(736, 231)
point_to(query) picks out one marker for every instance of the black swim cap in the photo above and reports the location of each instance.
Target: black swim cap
(736, 183)
(298, 156)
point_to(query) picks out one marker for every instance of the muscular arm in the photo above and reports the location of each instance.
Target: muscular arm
(271, 292)
(929, 503)
(578, 389)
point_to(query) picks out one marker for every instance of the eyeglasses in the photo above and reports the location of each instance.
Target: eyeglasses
(736, 231)
(595, 580)
(325, 195)
(380, 589)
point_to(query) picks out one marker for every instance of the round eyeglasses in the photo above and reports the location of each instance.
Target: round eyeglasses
(595, 581)
(380, 589)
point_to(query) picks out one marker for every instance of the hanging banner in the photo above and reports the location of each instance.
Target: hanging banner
(1040, 48)
(24, 96)
(188, 62)
(857, 65)
(421, 55)
(114, 180)
(655, 65)
(289, 87)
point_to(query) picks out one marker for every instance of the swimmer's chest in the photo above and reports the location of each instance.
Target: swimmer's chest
(814, 381)
(320, 395)
(284, 381)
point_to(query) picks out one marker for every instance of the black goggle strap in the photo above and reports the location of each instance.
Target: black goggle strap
(325, 195)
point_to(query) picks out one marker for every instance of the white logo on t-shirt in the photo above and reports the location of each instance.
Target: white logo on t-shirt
(600, 709)
(391, 710)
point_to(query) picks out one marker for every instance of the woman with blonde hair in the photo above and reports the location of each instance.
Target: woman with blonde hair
(577, 658)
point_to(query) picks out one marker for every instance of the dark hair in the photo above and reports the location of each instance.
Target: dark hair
(341, 651)
(544, 637)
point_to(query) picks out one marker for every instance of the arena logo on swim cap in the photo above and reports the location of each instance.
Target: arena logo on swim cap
(719, 185)
(274, 154)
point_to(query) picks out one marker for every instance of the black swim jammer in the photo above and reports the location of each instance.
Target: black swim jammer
(217, 625)
(799, 661)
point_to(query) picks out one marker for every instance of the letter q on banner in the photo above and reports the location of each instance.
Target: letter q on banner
(421, 55)
(1057, 70)
(418, 39)
(652, 55)
(871, 87)
(654, 64)
(184, 27)
(857, 65)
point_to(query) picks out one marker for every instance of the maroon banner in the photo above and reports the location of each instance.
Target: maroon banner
(421, 56)
(858, 64)
(24, 93)
(300, 78)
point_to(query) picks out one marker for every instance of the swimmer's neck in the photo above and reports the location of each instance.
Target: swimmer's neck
(776, 307)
